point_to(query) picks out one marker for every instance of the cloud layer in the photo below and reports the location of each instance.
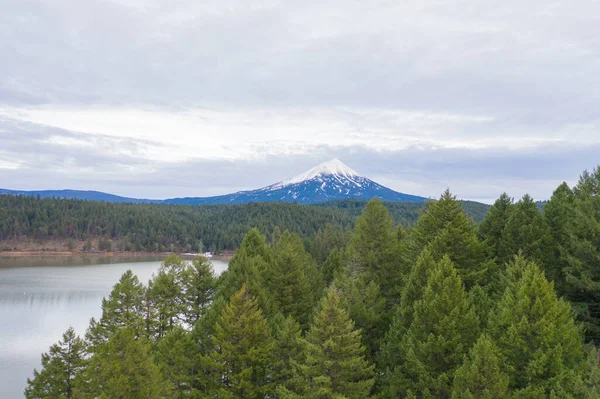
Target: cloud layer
(171, 98)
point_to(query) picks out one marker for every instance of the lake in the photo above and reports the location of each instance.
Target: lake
(40, 297)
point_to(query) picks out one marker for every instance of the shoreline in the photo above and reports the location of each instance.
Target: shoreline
(128, 254)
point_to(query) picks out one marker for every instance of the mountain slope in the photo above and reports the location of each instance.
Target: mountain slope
(79, 194)
(328, 181)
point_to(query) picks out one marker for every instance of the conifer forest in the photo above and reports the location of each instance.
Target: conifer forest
(445, 307)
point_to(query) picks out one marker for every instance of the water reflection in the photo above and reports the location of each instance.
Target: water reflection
(41, 297)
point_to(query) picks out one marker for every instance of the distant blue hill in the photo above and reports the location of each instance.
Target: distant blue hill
(78, 194)
(325, 182)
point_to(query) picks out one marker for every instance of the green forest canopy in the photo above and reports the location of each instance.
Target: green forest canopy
(507, 309)
(181, 228)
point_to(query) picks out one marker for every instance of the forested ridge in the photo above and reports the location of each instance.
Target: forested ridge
(180, 228)
(448, 309)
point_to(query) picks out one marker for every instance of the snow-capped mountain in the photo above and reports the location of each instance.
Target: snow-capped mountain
(328, 181)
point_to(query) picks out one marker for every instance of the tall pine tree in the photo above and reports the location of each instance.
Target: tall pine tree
(60, 367)
(540, 343)
(481, 376)
(335, 365)
(446, 230)
(443, 328)
(241, 356)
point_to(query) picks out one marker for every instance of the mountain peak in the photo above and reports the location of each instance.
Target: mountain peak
(333, 167)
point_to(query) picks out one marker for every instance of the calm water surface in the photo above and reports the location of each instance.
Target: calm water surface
(41, 297)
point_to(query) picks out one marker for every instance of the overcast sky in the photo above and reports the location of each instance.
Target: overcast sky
(166, 98)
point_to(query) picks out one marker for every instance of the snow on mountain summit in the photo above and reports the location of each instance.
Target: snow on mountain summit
(334, 167)
(331, 180)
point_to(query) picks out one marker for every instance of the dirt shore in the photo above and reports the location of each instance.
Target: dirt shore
(226, 257)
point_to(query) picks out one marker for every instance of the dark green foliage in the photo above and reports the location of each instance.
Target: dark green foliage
(175, 356)
(288, 350)
(293, 279)
(527, 231)
(199, 285)
(481, 376)
(124, 307)
(541, 345)
(446, 230)
(249, 266)
(395, 303)
(124, 368)
(366, 306)
(150, 227)
(239, 363)
(492, 226)
(156, 228)
(404, 213)
(335, 365)
(375, 253)
(443, 328)
(391, 354)
(574, 221)
(60, 367)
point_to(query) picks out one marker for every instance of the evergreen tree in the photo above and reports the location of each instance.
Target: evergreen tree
(492, 226)
(366, 306)
(60, 367)
(375, 253)
(250, 267)
(198, 285)
(288, 350)
(165, 295)
(294, 279)
(124, 368)
(413, 291)
(580, 275)
(335, 364)
(335, 263)
(123, 308)
(446, 230)
(175, 356)
(481, 376)
(242, 350)
(540, 343)
(443, 328)
(527, 231)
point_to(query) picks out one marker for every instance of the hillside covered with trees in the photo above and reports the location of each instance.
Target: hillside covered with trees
(448, 309)
(180, 228)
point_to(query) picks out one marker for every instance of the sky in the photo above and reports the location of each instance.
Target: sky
(172, 98)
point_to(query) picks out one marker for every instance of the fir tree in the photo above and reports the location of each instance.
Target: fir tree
(580, 275)
(540, 343)
(124, 307)
(124, 368)
(442, 330)
(492, 227)
(335, 364)
(528, 232)
(198, 285)
(334, 264)
(366, 306)
(175, 356)
(165, 295)
(375, 253)
(294, 279)
(242, 350)
(250, 267)
(288, 350)
(446, 230)
(413, 291)
(60, 367)
(481, 376)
